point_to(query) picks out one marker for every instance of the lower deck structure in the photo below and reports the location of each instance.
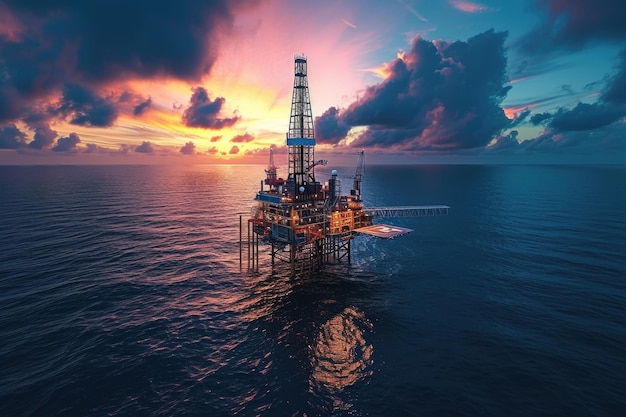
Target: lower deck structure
(313, 235)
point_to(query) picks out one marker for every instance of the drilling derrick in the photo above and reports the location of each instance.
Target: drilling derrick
(300, 137)
(305, 223)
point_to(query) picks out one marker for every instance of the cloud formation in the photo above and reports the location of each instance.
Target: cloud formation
(67, 144)
(437, 96)
(44, 137)
(52, 44)
(571, 25)
(204, 113)
(608, 109)
(615, 90)
(145, 147)
(188, 148)
(84, 107)
(246, 137)
(585, 144)
(586, 117)
(11, 137)
(468, 7)
(141, 107)
(330, 128)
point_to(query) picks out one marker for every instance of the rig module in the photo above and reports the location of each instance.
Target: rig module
(305, 222)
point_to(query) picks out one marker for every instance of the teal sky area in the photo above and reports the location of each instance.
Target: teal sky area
(418, 81)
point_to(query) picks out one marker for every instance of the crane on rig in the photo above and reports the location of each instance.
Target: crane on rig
(316, 163)
(358, 176)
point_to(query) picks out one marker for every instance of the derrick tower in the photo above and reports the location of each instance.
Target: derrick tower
(300, 137)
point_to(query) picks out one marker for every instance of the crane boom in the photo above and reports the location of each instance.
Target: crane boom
(314, 164)
(358, 176)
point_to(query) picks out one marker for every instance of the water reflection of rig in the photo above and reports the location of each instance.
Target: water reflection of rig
(306, 223)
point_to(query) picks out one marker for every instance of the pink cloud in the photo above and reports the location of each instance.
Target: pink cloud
(512, 111)
(468, 7)
(10, 26)
(348, 23)
(413, 11)
(246, 137)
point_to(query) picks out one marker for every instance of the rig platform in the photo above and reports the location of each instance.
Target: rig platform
(306, 223)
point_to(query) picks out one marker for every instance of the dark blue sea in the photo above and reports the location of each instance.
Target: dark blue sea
(121, 295)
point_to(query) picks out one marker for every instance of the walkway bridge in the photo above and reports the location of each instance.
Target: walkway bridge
(407, 211)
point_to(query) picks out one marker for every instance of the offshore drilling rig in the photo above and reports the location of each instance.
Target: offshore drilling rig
(305, 222)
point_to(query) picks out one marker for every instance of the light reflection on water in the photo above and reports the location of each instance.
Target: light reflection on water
(341, 355)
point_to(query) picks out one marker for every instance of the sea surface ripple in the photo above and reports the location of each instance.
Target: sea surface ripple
(121, 294)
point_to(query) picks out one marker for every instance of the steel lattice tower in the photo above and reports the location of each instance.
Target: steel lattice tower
(300, 138)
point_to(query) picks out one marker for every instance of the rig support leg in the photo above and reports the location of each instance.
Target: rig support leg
(256, 252)
(249, 247)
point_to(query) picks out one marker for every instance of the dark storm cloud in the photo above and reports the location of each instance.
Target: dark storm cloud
(202, 112)
(99, 41)
(521, 117)
(81, 106)
(91, 148)
(615, 92)
(67, 144)
(44, 137)
(145, 147)
(188, 148)
(246, 137)
(330, 128)
(570, 25)
(586, 127)
(610, 107)
(11, 137)
(505, 143)
(539, 118)
(607, 139)
(439, 95)
(586, 117)
(141, 107)
(11, 102)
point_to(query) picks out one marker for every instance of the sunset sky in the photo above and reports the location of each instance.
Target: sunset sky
(197, 81)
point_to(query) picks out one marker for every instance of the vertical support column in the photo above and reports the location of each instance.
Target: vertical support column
(256, 251)
(248, 239)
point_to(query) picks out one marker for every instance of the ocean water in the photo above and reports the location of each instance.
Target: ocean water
(121, 295)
